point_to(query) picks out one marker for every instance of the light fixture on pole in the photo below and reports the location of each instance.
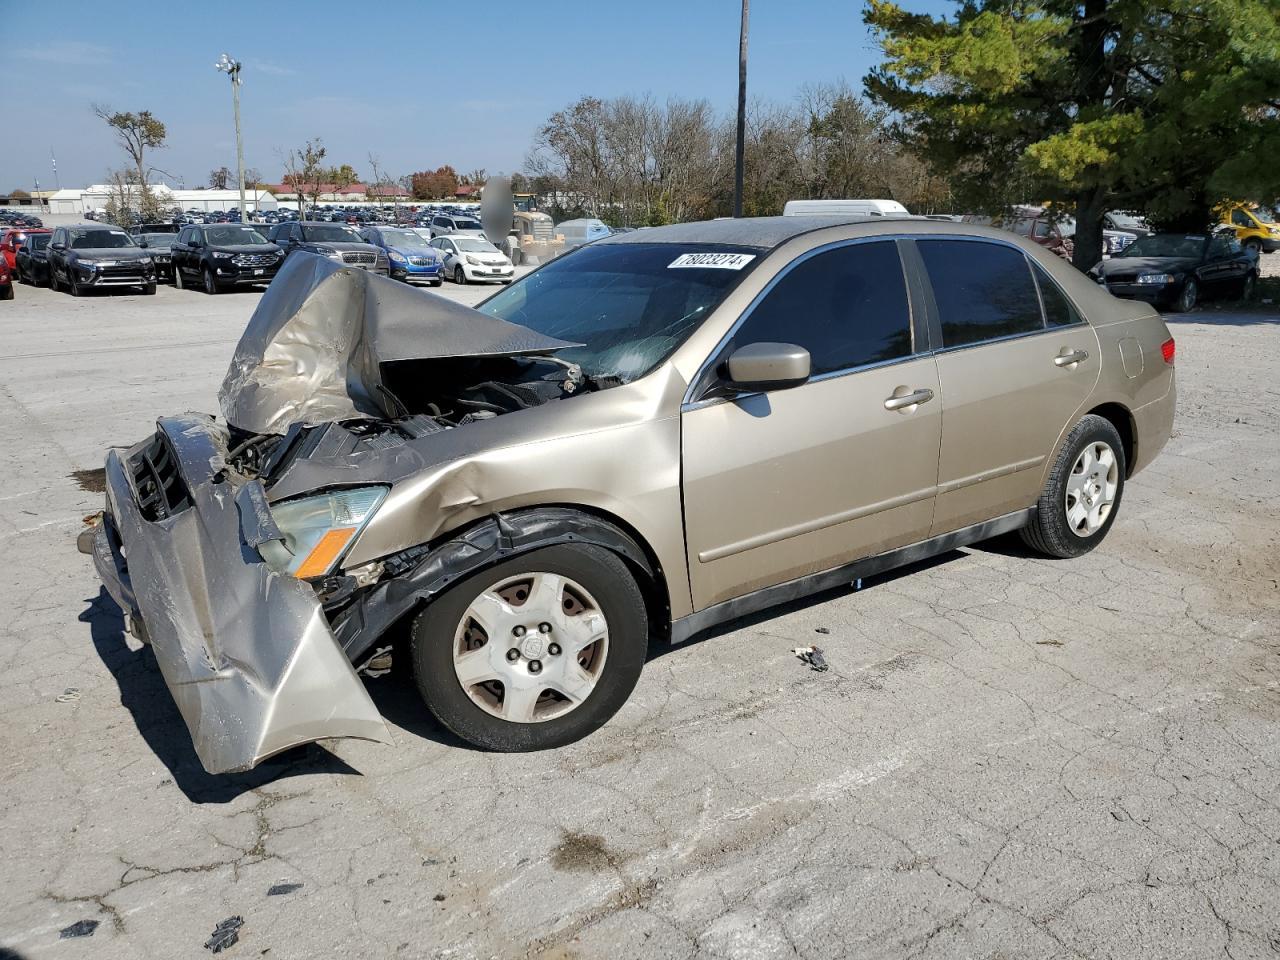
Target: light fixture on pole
(232, 69)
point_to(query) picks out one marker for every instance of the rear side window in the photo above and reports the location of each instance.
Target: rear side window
(983, 290)
(847, 307)
(1058, 311)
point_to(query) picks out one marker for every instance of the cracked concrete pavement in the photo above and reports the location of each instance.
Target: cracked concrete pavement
(1009, 757)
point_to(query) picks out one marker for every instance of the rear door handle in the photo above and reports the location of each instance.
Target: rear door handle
(1067, 359)
(901, 401)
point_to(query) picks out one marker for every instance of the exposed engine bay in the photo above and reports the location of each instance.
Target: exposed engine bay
(418, 398)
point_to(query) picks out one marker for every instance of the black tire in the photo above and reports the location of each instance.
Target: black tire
(1050, 531)
(72, 286)
(18, 275)
(177, 279)
(148, 289)
(1188, 298)
(1254, 245)
(6, 293)
(614, 588)
(211, 285)
(459, 275)
(1247, 286)
(438, 282)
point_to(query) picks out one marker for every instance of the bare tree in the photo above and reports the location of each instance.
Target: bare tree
(306, 172)
(136, 133)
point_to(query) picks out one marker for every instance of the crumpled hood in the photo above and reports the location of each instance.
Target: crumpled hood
(314, 347)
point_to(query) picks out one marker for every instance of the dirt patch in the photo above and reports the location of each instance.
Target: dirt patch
(582, 853)
(95, 481)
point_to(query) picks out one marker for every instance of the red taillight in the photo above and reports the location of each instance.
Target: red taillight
(1167, 349)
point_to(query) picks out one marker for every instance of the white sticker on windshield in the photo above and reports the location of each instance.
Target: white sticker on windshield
(714, 261)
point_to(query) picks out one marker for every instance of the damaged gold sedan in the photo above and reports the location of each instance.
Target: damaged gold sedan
(647, 437)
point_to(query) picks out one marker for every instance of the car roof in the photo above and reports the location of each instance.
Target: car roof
(763, 232)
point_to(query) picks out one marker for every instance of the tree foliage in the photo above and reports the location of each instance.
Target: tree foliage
(435, 184)
(136, 133)
(634, 160)
(1163, 106)
(220, 177)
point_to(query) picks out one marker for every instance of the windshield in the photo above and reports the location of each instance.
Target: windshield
(627, 303)
(1166, 245)
(1125, 221)
(330, 233)
(37, 241)
(159, 239)
(467, 225)
(100, 240)
(230, 236)
(404, 238)
(474, 245)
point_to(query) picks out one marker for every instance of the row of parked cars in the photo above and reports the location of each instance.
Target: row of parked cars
(223, 256)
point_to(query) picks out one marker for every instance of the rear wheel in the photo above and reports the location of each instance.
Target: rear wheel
(1081, 496)
(6, 292)
(534, 653)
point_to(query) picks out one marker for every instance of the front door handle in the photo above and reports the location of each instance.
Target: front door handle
(1071, 358)
(906, 402)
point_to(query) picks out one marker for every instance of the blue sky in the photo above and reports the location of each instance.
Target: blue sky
(371, 78)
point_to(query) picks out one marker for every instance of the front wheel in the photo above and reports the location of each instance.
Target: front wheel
(148, 289)
(1188, 297)
(73, 285)
(1254, 246)
(1246, 286)
(459, 275)
(210, 284)
(438, 282)
(1081, 496)
(534, 653)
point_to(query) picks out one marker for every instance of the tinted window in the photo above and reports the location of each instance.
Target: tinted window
(982, 290)
(847, 307)
(1058, 311)
(1219, 247)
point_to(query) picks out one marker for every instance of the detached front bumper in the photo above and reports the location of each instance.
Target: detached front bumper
(246, 652)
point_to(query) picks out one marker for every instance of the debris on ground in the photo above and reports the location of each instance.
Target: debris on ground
(225, 934)
(69, 695)
(283, 889)
(813, 657)
(1051, 642)
(81, 928)
(438, 898)
(822, 630)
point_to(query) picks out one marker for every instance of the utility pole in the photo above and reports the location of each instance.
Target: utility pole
(232, 69)
(739, 162)
(57, 185)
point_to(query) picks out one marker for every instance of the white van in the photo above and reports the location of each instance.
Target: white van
(844, 208)
(578, 232)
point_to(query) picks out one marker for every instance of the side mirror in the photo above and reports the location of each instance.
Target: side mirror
(768, 366)
(142, 242)
(57, 246)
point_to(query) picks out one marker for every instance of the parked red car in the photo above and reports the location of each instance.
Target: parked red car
(6, 280)
(13, 239)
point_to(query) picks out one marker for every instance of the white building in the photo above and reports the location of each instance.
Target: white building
(78, 201)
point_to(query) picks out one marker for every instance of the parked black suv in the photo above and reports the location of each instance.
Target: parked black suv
(160, 245)
(218, 256)
(91, 256)
(336, 241)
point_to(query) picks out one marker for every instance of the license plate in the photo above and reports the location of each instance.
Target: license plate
(258, 272)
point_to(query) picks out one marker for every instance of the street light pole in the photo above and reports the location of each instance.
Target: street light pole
(739, 160)
(232, 69)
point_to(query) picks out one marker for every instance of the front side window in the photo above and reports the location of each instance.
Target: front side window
(1220, 248)
(847, 307)
(983, 291)
(1241, 219)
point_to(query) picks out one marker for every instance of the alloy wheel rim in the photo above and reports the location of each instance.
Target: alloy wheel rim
(1091, 489)
(531, 647)
(1189, 295)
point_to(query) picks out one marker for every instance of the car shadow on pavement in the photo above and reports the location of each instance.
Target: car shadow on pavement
(658, 646)
(1226, 317)
(144, 694)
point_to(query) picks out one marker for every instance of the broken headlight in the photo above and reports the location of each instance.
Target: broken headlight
(318, 530)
